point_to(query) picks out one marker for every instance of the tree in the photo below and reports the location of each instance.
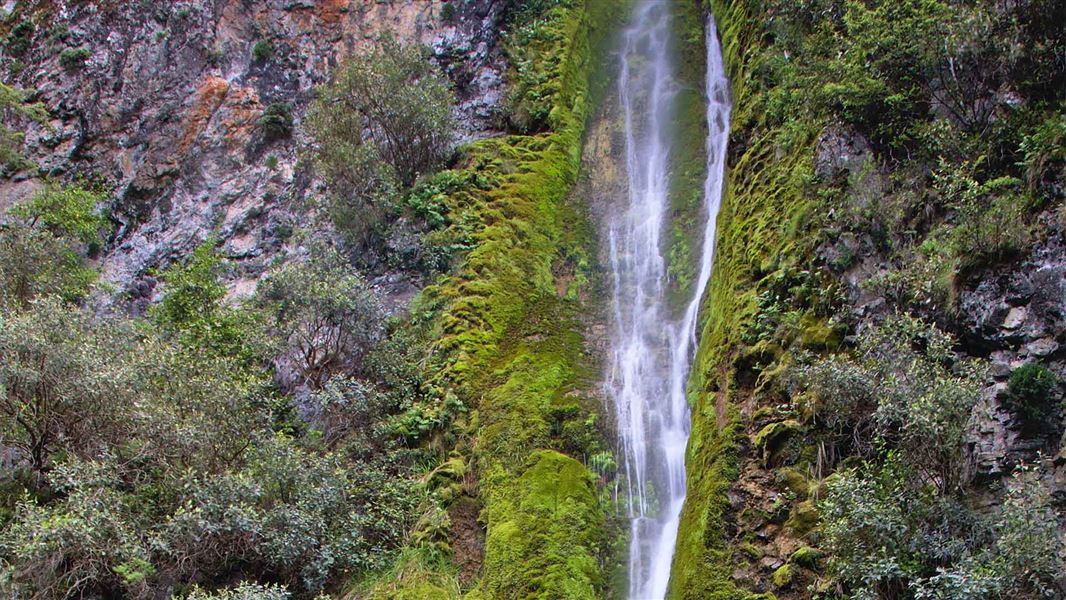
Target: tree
(384, 120)
(193, 310)
(326, 313)
(63, 382)
(14, 105)
(42, 249)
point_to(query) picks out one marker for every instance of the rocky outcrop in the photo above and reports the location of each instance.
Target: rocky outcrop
(162, 101)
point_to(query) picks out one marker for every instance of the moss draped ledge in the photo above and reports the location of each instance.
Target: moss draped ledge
(508, 338)
(757, 236)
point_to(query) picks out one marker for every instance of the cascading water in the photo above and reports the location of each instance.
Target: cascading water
(652, 351)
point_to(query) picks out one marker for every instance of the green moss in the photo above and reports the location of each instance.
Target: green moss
(784, 575)
(771, 438)
(508, 338)
(806, 557)
(418, 574)
(803, 518)
(760, 233)
(688, 154)
(537, 545)
(794, 480)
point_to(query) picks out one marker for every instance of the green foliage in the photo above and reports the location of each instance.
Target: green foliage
(324, 312)
(888, 538)
(42, 249)
(34, 262)
(20, 37)
(64, 385)
(383, 121)
(393, 92)
(73, 59)
(66, 211)
(153, 460)
(262, 51)
(16, 103)
(301, 514)
(1030, 387)
(1044, 153)
(539, 31)
(243, 591)
(192, 310)
(276, 121)
(907, 387)
(90, 540)
(991, 214)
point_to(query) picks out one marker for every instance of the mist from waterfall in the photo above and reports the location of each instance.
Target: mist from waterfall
(651, 349)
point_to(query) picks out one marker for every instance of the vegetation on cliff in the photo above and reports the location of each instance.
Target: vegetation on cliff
(880, 152)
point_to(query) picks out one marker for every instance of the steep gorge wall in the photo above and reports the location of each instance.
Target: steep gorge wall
(161, 102)
(750, 519)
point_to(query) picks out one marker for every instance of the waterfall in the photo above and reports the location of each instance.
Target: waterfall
(651, 350)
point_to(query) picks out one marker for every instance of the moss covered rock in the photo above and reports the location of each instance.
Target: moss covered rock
(772, 438)
(784, 575)
(803, 518)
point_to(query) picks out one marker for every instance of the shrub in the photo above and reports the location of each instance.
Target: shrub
(74, 58)
(276, 121)
(34, 262)
(64, 380)
(243, 591)
(193, 311)
(1044, 152)
(395, 96)
(66, 211)
(907, 387)
(15, 102)
(88, 542)
(19, 39)
(301, 515)
(884, 532)
(262, 51)
(1024, 559)
(1030, 388)
(325, 312)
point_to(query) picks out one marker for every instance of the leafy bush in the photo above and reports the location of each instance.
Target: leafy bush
(299, 514)
(67, 211)
(34, 262)
(91, 540)
(74, 58)
(325, 312)
(276, 121)
(907, 387)
(1030, 388)
(16, 103)
(262, 51)
(65, 383)
(384, 120)
(19, 38)
(193, 311)
(1044, 152)
(243, 591)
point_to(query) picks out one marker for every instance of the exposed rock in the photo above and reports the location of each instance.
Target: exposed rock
(165, 109)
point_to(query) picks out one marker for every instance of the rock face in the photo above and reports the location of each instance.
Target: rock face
(1018, 316)
(161, 101)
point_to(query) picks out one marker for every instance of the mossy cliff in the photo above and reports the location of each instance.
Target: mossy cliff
(510, 345)
(762, 199)
(854, 188)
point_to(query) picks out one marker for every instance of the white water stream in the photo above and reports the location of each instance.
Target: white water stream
(651, 350)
